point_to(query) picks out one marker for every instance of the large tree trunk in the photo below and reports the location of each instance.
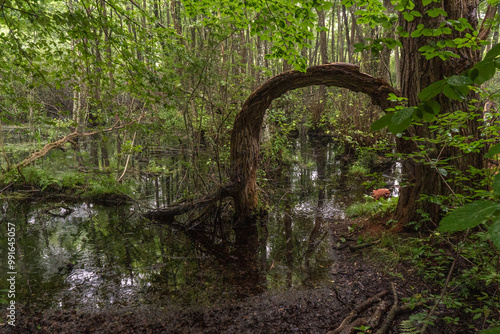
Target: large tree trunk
(416, 74)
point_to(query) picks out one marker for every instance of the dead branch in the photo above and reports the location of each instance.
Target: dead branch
(69, 138)
(366, 244)
(360, 308)
(166, 215)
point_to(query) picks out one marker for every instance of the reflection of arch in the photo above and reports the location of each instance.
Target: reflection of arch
(245, 137)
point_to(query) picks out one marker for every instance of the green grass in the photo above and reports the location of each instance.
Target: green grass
(96, 186)
(372, 208)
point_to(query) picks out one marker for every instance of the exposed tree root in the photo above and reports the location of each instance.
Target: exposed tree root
(392, 313)
(348, 321)
(380, 312)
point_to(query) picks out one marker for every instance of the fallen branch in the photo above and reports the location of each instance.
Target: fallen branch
(168, 214)
(69, 138)
(348, 321)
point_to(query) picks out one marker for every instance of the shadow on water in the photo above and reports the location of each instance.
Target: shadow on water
(89, 256)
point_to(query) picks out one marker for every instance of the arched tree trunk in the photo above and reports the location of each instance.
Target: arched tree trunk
(245, 147)
(245, 137)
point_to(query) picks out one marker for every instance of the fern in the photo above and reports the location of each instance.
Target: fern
(408, 327)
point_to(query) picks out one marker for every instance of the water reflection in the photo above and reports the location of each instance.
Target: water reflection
(96, 256)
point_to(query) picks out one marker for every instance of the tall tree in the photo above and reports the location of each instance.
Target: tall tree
(419, 72)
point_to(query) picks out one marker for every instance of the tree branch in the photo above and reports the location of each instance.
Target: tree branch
(69, 138)
(484, 31)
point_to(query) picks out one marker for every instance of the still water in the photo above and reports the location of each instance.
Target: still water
(88, 256)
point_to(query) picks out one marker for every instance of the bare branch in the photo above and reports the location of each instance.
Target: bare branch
(69, 138)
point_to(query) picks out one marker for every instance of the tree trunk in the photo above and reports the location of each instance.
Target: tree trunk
(319, 107)
(416, 74)
(245, 137)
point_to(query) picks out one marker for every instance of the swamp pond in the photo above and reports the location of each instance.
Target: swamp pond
(94, 257)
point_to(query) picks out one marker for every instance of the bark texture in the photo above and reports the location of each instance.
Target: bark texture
(417, 73)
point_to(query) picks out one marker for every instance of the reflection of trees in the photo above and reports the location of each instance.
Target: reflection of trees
(317, 232)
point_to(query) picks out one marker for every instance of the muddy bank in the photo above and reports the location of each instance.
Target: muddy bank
(312, 311)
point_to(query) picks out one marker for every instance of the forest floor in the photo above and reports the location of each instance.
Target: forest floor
(355, 279)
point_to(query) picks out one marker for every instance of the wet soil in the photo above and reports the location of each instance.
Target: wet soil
(354, 279)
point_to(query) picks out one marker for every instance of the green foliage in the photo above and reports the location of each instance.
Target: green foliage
(478, 212)
(408, 327)
(286, 24)
(471, 288)
(372, 208)
(456, 87)
(468, 216)
(358, 170)
(106, 188)
(96, 187)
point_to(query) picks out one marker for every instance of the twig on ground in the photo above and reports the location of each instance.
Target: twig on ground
(360, 308)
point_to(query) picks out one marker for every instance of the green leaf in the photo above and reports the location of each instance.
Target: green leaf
(451, 93)
(486, 70)
(401, 115)
(496, 185)
(443, 171)
(495, 234)
(382, 122)
(432, 90)
(473, 74)
(468, 216)
(408, 16)
(494, 150)
(397, 128)
(495, 330)
(455, 93)
(401, 120)
(435, 12)
(429, 117)
(493, 53)
(431, 107)
(459, 80)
